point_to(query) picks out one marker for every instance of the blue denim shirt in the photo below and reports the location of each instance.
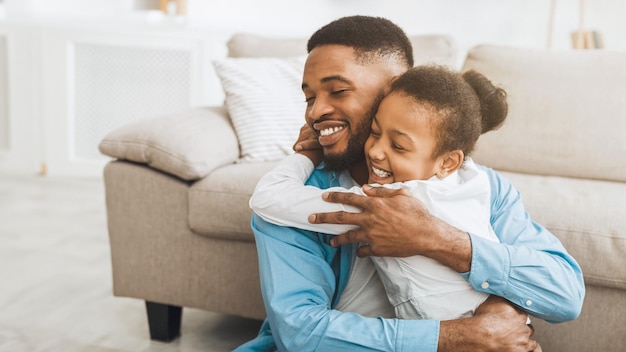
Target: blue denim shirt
(302, 278)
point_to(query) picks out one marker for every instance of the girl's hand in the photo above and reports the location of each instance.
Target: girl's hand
(308, 145)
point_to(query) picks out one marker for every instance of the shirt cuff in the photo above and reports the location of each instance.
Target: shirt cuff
(487, 255)
(418, 335)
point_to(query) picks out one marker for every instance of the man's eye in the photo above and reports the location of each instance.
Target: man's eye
(309, 99)
(339, 91)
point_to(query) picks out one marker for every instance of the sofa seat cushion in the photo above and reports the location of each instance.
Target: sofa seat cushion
(218, 203)
(586, 215)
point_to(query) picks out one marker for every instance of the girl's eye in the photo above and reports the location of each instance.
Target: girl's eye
(398, 147)
(374, 133)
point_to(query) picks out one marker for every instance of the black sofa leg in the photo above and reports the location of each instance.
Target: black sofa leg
(164, 321)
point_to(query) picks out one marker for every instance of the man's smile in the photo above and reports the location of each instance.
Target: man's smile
(330, 132)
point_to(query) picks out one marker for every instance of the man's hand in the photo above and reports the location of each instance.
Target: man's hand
(496, 326)
(393, 223)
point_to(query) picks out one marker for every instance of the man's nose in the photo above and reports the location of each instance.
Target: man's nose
(320, 107)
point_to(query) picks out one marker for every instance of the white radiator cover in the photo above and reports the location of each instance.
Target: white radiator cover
(114, 85)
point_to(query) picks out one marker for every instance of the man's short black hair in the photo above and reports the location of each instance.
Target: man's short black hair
(370, 37)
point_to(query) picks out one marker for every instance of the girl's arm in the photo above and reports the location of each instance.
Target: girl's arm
(282, 198)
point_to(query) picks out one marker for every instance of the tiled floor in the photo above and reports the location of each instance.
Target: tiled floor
(55, 288)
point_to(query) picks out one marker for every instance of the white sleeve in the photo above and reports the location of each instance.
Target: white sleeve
(282, 198)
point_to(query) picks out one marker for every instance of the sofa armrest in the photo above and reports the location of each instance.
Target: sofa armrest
(188, 145)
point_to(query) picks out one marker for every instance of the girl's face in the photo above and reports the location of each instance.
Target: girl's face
(401, 143)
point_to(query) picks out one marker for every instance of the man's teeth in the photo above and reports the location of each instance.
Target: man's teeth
(381, 173)
(330, 130)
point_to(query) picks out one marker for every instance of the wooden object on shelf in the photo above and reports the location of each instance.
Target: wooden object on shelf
(587, 40)
(179, 5)
(163, 5)
(582, 38)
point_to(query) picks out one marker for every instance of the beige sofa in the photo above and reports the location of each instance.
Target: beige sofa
(177, 197)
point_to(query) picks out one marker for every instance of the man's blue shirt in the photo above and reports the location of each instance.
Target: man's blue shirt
(302, 278)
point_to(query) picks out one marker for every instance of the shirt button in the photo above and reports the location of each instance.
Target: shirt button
(485, 285)
(529, 302)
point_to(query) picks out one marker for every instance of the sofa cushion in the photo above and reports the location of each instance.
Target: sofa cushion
(433, 48)
(254, 45)
(218, 204)
(190, 155)
(587, 216)
(567, 115)
(265, 103)
(263, 94)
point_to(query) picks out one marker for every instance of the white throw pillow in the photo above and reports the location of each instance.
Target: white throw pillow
(265, 102)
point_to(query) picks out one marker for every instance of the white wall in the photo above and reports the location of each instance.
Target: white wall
(513, 22)
(468, 21)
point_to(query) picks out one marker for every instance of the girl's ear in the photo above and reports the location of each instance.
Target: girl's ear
(450, 162)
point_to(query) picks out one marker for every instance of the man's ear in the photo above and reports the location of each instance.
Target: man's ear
(452, 161)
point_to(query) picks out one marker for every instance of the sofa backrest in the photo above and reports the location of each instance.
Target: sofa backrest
(262, 80)
(439, 49)
(567, 112)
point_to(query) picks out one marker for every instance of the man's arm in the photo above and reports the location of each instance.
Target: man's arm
(538, 274)
(529, 267)
(482, 333)
(301, 279)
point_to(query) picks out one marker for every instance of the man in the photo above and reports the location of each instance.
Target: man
(314, 285)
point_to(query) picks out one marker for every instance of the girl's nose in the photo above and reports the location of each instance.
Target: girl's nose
(375, 152)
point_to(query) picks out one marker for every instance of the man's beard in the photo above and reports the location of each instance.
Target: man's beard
(354, 152)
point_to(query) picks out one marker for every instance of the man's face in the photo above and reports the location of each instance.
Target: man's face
(342, 96)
